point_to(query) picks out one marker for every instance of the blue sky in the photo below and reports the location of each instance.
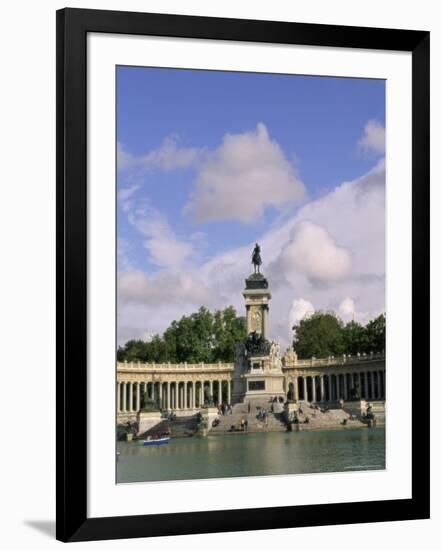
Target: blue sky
(210, 162)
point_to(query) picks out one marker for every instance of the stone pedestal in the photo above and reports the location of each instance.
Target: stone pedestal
(257, 297)
(289, 411)
(263, 384)
(209, 414)
(355, 407)
(147, 420)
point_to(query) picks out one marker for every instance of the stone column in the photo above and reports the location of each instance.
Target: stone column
(372, 386)
(229, 392)
(365, 385)
(168, 395)
(184, 402)
(345, 386)
(130, 396)
(118, 397)
(322, 388)
(124, 397)
(153, 391)
(351, 380)
(330, 388)
(138, 396)
(219, 389)
(202, 394)
(296, 388)
(211, 388)
(314, 395)
(305, 389)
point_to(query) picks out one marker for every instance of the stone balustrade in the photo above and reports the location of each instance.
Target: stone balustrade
(173, 367)
(327, 361)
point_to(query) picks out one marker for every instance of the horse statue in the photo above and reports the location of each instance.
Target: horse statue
(256, 258)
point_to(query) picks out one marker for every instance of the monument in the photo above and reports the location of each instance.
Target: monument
(258, 367)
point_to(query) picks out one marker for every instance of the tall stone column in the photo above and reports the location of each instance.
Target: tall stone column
(305, 389)
(314, 394)
(322, 388)
(330, 394)
(138, 396)
(372, 386)
(124, 396)
(184, 404)
(296, 388)
(345, 386)
(202, 394)
(131, 396)
(168, 395)
(229, 392)
(118, 397)
(365, 385)
(357, 382)
(219, 390)
(153, 391)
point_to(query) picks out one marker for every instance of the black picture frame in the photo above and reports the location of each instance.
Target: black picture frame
(72, 28)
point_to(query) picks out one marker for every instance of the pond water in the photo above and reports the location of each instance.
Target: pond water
(253, 455)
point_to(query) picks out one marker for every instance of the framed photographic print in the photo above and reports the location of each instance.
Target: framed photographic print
(242, 208)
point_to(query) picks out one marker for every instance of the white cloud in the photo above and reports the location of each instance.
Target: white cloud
(163, 288)
(165, 248)
(299, 310)
(346, 308)
(126, 192)
(122, 250)
(374, 138)
(124, 159)
(350, 220)
(167, 157)
(313, 251)
(247, 173)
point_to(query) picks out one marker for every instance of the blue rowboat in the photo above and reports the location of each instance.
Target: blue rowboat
(158, 441)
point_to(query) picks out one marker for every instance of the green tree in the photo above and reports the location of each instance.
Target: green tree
(228, 330)
(355, 338)
(319, 335)
(202, 336)
(376, 334)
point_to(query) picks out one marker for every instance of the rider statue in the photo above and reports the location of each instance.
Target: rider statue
(256, 259)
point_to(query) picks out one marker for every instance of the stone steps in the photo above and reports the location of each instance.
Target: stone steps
(274, 422)
(180, 427)
(332, 418)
